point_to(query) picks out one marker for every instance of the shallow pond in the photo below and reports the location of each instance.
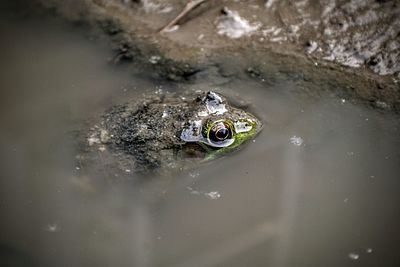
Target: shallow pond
(318, 187)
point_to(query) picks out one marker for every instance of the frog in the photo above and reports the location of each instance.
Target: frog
(171, 131)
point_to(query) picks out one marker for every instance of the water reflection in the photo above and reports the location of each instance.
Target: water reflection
(318, 187)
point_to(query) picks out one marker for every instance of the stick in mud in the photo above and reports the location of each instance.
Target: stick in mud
(189, 6)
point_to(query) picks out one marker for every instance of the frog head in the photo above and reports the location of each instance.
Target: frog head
(217, 126)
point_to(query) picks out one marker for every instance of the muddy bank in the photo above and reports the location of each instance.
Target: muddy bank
(348, 47)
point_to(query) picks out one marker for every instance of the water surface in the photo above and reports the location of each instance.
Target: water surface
(318, 187)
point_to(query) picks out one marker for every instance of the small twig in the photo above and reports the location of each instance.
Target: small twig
(189, 6)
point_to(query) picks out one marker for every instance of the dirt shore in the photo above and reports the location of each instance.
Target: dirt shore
(351, 48)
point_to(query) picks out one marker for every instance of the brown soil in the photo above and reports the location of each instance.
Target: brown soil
(297, 52)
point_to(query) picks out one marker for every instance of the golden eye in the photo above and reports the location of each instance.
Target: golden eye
(220, 134)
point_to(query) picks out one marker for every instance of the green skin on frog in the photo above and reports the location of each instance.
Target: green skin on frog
(170, 131)
(218, 127)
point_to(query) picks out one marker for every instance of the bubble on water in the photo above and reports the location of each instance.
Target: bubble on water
(213, 195)
(296, 140)
(52, 228)
(369, 250)
(193, 191)
(342, 100)
(354, 256)
(194, 174)
(210, 195)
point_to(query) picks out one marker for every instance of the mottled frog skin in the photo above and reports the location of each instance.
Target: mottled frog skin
(169, 131)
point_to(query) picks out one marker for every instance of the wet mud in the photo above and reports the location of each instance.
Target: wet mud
(350, 48)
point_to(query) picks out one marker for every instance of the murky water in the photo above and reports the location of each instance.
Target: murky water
(318, 187)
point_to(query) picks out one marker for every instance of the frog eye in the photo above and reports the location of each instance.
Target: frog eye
(220, 134)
